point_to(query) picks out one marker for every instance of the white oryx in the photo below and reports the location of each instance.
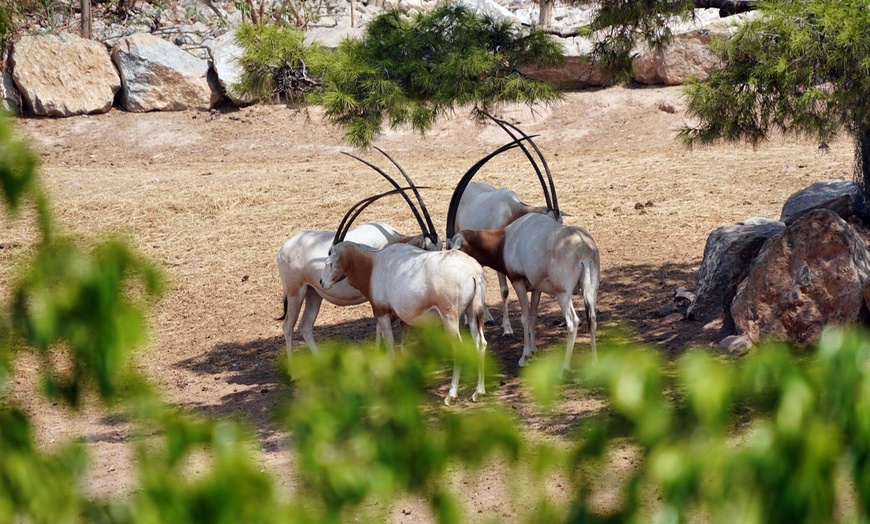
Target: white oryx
(538, 255)
(483, 206)
(302, 257)
(408, 283)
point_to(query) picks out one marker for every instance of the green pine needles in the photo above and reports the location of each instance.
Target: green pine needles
(802, 67)
(411, 70)
(276, 61)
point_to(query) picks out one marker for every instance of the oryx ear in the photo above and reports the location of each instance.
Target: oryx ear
(455, 242)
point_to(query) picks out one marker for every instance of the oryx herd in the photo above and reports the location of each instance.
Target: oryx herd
(406, 277)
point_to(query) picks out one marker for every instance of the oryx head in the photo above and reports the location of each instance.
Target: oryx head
(335, 269)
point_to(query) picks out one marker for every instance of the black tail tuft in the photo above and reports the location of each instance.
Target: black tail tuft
(282, 317)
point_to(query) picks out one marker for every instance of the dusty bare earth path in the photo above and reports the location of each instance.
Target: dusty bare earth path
(212, 197)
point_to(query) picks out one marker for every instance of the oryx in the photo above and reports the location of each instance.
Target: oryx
(301, 260)
(538, 255)
(483, 206)
(406, 282)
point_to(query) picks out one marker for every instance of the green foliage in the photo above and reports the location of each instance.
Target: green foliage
(276, 61)
(768, 438)
(411, 70)
(370, 434)
(801, 67)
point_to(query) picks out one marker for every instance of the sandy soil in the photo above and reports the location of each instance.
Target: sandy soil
(213, 196)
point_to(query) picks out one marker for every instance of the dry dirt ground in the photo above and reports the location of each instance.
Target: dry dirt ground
(212, 197)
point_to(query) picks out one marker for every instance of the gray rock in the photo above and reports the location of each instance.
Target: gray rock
(64, 75)
(727, 256)
(10, 98)
(810, 275)
(158, 76)
(330, 37)
(688, 55)
(736, 344)
(816, 195)
(225, 54)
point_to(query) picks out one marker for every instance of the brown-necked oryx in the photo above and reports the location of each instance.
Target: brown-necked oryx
(408, 283)
(483, 206)
(538, 255)
(302, 257)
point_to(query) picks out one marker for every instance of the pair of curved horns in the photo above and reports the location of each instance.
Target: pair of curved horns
(466, 179)
(549, 196)
(356, 209)
(427, 228)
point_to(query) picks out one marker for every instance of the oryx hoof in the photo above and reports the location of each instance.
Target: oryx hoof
(476, 396)
(490, 322)
(507, 334)
(563, 373)
(448, 400)
(522, 363)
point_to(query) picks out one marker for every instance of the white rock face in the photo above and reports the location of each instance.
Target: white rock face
(10, 100)
(64, 75)
(225, 54)
(159, 76)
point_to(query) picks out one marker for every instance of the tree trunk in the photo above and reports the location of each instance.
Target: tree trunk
(727, 7)
(862, 173)
(86, 19)
(545, 14)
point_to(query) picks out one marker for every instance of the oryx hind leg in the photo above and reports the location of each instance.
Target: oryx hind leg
(292, 305)
(451, 326)
(590, 299)
(571, 323)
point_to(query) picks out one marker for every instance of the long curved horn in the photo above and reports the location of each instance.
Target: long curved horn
(503, 124)
(356, 209)
(466, 179)
(395, 185)
(550, 197)
(433, 233)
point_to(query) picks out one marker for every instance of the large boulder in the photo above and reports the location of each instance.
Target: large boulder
(159, 76)
(578, 70)
(825, 193)
(225, 52)
(810, 275)
(729, 252)
(688, 55)
(64, 75)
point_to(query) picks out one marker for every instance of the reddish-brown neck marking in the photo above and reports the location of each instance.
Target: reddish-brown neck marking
(486, 246)
(358, 264)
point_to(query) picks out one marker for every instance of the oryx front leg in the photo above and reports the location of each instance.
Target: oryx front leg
(507, 329)
(523, 297)
(533, 320)
(309, 315)
(385, 329)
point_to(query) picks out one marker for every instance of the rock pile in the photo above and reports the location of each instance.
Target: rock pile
(184, 57)
(787, 278)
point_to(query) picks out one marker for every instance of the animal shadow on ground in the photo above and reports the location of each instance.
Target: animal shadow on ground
(249, 371)
(629, 299)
